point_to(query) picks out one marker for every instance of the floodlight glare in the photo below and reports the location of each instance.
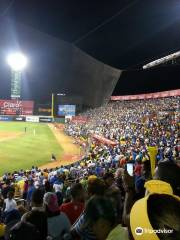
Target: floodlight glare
(17, 61)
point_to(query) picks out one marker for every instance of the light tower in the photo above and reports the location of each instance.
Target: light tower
(17, 62)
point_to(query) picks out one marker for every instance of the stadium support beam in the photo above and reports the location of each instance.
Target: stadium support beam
(162, 60)
(52, 105)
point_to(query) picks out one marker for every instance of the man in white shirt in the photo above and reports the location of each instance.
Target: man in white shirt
(9, 202)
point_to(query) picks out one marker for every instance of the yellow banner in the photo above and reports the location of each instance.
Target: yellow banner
(153, 153)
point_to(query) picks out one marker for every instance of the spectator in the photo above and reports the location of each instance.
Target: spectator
(169, 172)
(96, 187)
(58, 223)
(10, 203)
(37, 200)
(110, 182)
(25, 189)
(39, 220)
(101, 216)
(24, 230)
(74, 208)
(7, 188)
(30, 191)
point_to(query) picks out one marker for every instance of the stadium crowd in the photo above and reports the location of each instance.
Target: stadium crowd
(99, 197)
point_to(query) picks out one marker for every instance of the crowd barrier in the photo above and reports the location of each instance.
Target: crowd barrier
(172, 93)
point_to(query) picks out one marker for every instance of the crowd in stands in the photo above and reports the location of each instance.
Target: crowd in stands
(98, 198)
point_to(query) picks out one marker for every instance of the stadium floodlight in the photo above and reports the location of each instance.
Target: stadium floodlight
(61, 94)
(17, 61)
(162, 60)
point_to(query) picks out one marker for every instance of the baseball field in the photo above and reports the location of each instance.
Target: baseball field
(23, 145)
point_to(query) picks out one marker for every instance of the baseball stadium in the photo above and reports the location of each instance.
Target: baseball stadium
(89, 120)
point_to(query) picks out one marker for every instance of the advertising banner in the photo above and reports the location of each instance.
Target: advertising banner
(32, 119)
(66, 110)
(5, 118)
(171, 93)
(104, 140)
(43, 109)
(45, 119)
(16, 84)
(79, 119)
(16, 107)
(19, 119)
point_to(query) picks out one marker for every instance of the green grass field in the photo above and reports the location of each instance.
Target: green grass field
(26, 149)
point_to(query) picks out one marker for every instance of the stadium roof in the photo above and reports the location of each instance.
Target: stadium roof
(124, 34)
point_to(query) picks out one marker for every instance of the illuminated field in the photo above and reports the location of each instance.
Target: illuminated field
(21, 150)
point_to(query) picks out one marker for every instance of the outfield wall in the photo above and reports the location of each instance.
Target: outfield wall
(34, 119)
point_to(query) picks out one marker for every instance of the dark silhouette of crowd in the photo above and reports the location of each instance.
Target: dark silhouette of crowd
(98, 197)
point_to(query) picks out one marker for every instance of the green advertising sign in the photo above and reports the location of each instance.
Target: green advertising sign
(16, 84)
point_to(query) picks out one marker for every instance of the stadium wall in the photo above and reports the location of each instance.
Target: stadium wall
(172, 93)
(34, 119)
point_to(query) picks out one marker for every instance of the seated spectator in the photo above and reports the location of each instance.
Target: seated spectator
(101, 216)
(24, 230)
(37, 206)
(74, 208)
(39, 220)
(7, 188)
(37, 200)
(58, 223)
(9, 202)
(11, 219)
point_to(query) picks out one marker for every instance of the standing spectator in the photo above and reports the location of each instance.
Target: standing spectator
(30, 191)
(96, 187)
(25, 189)
(74, 208)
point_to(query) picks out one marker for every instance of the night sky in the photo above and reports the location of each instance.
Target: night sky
(124, 34)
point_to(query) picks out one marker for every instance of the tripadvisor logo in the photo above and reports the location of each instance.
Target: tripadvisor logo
(139, 231)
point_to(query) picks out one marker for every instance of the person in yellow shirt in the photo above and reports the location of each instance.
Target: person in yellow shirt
(2, 229)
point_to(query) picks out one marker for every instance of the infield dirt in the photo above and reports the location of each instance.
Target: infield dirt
(71, 151)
